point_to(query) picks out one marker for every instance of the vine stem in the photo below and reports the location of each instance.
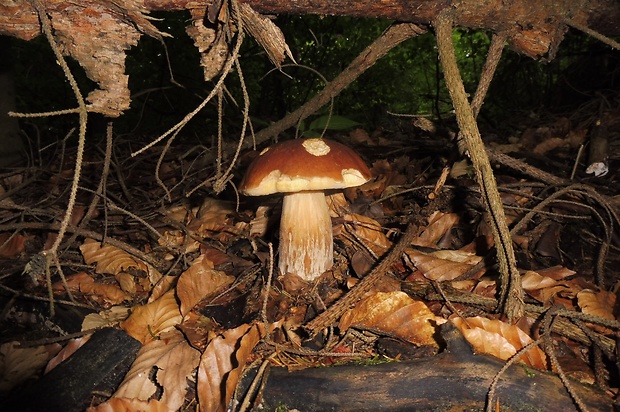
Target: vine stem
(511, 292)
(52, 253)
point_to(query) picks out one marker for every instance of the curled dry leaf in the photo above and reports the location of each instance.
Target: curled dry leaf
(108, 317)
(370, 232)
(173, 358)
(19, 364)
(147, 322)
(214, 215)
(83, 283)
(599, 303)
(113, 260)
(221, 365)
(444, 264)
(68, 350)
(161, 287)
(500, 339)
(199, 281)
(396, 314)
(438, 225)
(545, 288)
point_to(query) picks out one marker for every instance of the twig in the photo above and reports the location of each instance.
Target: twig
(225, 71)
(547, 327)
(509, 363)
(100, 188)
(511, 293)
(391, 38)
(522, 167)
(326, 318)
(41, 299)
(592, 33)
(86, 233)
(51, 254)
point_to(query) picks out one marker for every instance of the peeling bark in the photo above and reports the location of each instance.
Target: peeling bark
(98, 32)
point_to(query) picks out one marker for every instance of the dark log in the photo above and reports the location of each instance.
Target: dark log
(98, 366)
(533, 26)
(97, 33)
(456, 380)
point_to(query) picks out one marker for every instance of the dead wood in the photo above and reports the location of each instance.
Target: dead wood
(97, 33)
(98, 366)
(456, 379)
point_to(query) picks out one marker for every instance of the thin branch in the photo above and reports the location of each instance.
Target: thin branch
(511, 293)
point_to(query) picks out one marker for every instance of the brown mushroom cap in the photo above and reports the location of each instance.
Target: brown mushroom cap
(300, 165)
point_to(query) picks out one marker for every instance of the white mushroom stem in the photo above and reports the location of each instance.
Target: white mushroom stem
(306, 241)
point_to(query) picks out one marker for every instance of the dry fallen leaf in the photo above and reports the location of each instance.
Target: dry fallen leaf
(599, 303)
(221, 365)
(69, 349)
(438, 225)
(500, 339)
(174, 360)
(12, 244)
(19, 364)
(198, 281)
(396, 314)
(83, 283)
(148, 321)
(108, 317)
(443, 265)
(113, 260)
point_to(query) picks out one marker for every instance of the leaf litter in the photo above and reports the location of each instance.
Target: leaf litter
(197, 290)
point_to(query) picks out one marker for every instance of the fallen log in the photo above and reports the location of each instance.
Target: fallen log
(456, 379)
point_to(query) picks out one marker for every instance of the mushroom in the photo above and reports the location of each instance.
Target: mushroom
(303, 170)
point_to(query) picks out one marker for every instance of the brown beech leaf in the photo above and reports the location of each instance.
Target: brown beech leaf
(556, 272)
(370, 231)
(108, 317)
(214, 215)
(12, 244)
(394, 313)
(19, 364)
(129, 405)
(221, 365)
(148, 321)
(113, 260)
(543, 288)
(161, 287)
(198, 281)
(499, 339)
(83, 283)
(599, 303)
(442, 265)
(438, 225)
(109, 259)
(174, 360)
(69, 349)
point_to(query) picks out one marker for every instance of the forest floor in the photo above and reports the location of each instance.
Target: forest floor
(188, 274)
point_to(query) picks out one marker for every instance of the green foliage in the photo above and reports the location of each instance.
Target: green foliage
(327, 122)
